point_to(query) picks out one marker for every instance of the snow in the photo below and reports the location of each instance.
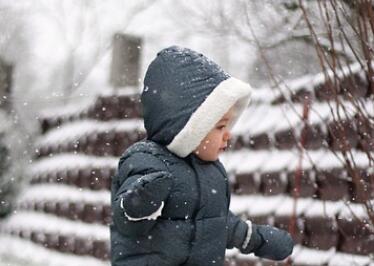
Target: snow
(71, 132)
(277, 162)
(310, 159)
(249, 257)
(324, 208)
(263, 95)
(307, 256)
(353, 211)
(344, 259)
(128, 91)
(261, 117)
(25, 252)
(74, 109)
(5, 122)
(259, 205)
(286, 208)
(289, 116)
(69, 161)
(239, 205)
(250, 116)
(63, 193)
(31, 221)
(232, 252)
(250, 161)
(330, 160)
(283, 205)
(70, 110)
(362, 160)
(309, 82)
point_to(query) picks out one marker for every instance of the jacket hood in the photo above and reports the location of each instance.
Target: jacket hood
(185, 94)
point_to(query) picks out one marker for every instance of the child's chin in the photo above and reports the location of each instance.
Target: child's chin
(212, 159)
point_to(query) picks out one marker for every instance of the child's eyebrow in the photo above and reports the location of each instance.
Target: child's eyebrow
(223, 120)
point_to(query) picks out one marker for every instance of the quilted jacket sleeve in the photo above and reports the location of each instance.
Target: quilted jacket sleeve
(139, 192)
(237, 231)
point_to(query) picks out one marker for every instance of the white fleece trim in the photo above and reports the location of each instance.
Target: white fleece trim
(249, 234)
(228, 93)
(153, 216)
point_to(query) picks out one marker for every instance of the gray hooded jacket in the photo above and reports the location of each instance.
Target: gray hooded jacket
(169, 206)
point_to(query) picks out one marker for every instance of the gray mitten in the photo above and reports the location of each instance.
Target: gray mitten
(269, 242)
(144, 196)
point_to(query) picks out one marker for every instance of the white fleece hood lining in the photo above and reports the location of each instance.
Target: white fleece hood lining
(228, 93)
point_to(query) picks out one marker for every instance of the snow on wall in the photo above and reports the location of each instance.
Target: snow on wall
(264, 118)
(260, 117)
(75, 108)
(31, 221)
(253, 205)
(54, 192)
(249, 161)
(282, 205)
(71, 161)
(258, 205)
(286, 207)
(243, 161)
(324, 208)
(344, 259)
(32, 254)
(355, 211)
(71, 132)
(309, 82)
(308, 256)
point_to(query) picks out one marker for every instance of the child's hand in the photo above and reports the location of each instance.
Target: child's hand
(269, 242)
(145, 195)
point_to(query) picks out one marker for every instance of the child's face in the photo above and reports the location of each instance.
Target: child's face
(216, 140)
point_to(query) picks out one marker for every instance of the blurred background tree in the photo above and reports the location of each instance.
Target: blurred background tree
(47, 51)
(278, 26)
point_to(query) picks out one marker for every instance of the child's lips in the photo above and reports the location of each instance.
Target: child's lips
(223, 148)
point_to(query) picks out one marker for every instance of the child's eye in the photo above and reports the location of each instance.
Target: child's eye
(221, 127)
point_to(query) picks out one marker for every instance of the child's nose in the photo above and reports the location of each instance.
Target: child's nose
(227, 136)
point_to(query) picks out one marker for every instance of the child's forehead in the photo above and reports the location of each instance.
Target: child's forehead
(226, 118)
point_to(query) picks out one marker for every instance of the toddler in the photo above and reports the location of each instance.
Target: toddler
(170, 196)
